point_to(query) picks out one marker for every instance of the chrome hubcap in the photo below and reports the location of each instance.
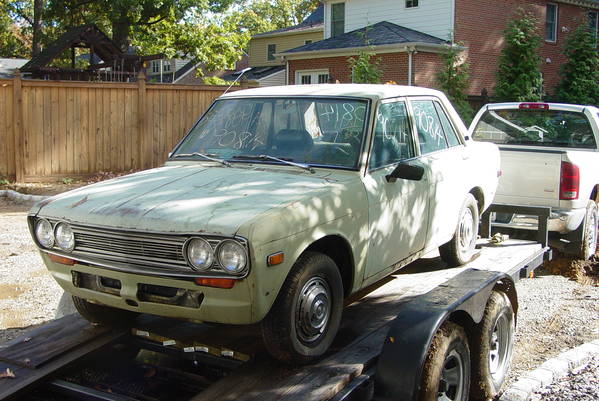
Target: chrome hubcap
(313, 310)
(466, 230)
(592, 234)
(451, 386)
(500, 344)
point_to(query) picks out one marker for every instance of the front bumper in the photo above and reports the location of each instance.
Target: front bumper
(561, 221)
(150, 294)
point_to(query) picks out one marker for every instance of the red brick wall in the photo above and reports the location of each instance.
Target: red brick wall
(479, 25)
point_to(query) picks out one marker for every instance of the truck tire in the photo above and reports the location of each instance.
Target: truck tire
(305, 317)
(446, 371)
(460, 248)
(588, 246)
(103, 314)
(492, 347)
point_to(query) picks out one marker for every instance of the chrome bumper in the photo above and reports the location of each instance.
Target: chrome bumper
(561, 221)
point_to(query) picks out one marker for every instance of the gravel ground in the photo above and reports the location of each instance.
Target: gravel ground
(582, 385)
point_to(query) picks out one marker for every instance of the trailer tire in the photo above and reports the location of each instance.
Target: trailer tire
(305, 317)
(446, 371)
(492, 346)
(460, 249)
(588, 245)
(103, 314)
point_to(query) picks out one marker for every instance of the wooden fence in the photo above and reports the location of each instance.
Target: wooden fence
(55, 129)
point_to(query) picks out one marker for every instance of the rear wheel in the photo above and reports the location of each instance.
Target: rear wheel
(446, 373)
(588, 246)
(460, 249)
(103, 314)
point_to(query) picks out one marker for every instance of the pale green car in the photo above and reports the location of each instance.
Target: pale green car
(278, 205)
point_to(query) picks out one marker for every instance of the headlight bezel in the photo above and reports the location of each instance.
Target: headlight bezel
(187, 257)
(57, 243)
(39, 222)
(222, 264)
(216, 268)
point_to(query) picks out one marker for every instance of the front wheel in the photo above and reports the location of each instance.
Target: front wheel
(588, 246)
(305, 317)
(460, 249)
(446, 373)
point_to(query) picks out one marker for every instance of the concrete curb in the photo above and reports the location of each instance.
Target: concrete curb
(21, 198)
(550, 371)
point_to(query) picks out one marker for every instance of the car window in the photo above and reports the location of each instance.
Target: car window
(450, 134)
(430, 132)
(392, 139)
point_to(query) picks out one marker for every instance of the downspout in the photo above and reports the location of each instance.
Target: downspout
(286, 70)
(411, 52)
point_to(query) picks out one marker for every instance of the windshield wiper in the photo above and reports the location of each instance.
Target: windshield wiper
(303, 166)
(207, 157)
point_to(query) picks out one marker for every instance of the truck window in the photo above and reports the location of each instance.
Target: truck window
(392, 138)
(431, 137)
(552, 128)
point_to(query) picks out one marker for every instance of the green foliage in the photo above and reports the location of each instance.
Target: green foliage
(4, 181)
(453, 80)
(67, 181)
(12, 42)
(518, 75)
(218, 81)
(366, 66)
(580, 74)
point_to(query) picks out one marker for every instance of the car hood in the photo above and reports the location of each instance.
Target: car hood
(185, 198)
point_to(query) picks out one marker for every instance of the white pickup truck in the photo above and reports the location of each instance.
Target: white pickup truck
(549, 157)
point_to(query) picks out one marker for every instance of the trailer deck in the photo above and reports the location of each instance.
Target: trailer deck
(71, 359)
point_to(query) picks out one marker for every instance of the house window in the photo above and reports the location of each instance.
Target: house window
(551, 23)
(411, 3)
(156, 66)
(307, 42)
(312, 77)
(337, 19)
(166, 67)
(270, 53)
(593, 24)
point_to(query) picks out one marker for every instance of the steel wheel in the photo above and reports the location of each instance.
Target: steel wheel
(499, 347)
(466, 230)
(591, 236)
(313, 310)
(451, 385)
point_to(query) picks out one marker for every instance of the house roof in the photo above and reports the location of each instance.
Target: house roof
(312, 21)
(8, 66)
(382, 33)
(255, 73)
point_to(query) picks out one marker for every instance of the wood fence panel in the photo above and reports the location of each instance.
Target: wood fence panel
(7, 146)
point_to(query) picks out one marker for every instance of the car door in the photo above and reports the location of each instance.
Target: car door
(397, 210)
(445, 156)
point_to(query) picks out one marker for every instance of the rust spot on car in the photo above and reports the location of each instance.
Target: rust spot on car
(44, 202)
(79, 202)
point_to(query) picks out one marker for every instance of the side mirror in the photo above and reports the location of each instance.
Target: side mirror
(407, 172)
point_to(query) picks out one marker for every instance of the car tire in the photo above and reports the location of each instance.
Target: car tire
(460, 249)
(102, 314)
(305, 317)
(492, 346)
(588, 246)
(446, 371)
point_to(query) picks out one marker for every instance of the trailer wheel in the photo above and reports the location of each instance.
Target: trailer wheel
(305, 317)
(460, 248)
(446, 372)
(588, 246)
(492, 347)
(102, 314)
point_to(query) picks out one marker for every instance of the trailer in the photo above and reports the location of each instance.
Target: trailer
(425, 332)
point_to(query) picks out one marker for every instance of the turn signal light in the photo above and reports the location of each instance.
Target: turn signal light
(275, 259)
(225, 283)
(569, 181)
(61, 259)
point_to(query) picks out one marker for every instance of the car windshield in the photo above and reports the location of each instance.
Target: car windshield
(555, 128)
(307, 131)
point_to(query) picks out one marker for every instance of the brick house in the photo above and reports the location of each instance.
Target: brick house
(409, 35)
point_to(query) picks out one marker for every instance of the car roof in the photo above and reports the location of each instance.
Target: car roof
(369, 91)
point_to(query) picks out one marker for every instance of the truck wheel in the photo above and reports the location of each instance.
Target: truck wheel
(460, 249)
(492, 347)
(446, 373)
(305, 317)
(103, 314)
(588, 246)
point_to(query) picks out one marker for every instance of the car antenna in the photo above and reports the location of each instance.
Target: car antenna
(237, 79)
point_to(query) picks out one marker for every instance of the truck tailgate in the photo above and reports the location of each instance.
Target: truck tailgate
(529, 176)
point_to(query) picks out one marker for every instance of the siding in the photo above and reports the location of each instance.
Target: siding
(258, 46)
(431, 16)
(275, 79)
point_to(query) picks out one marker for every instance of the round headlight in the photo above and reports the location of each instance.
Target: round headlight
(232, 256)
(64, 237)
(200, 254)
(44, 233)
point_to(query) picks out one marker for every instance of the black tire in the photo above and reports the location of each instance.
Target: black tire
(447, 367)
(285, 337)
(492, 347)
(102, 314)
(588, 245)
(460, 249)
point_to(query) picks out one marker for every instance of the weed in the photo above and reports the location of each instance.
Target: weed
(67, 181)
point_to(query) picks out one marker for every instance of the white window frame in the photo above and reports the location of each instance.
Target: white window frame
(556, 22)
(155, 66)
(312, 73)
(331, 21)
(166, 67)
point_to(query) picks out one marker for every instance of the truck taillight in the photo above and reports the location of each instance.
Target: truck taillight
(569, 181)
(533, 106)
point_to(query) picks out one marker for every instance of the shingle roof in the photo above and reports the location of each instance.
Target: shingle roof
(255, 73)
(382, 33)
(314, 20)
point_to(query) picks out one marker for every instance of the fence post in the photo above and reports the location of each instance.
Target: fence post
(142, 119)
(17, 125)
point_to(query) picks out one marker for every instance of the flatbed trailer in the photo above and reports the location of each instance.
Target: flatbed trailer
(379, 353)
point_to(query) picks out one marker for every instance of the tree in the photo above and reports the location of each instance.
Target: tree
(366, 66)
(518, 75)
(12, 42)
(453, 80)
(580, 74)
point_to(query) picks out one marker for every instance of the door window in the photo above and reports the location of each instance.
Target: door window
(428, 125)
(392, 139)
(450, 134)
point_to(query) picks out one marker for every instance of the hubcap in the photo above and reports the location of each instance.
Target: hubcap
(451, 386)
(499, 347)
(313, 310)
(592, 235)
(466, 230)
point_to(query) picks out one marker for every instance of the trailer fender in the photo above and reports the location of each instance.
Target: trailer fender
(400, 364)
